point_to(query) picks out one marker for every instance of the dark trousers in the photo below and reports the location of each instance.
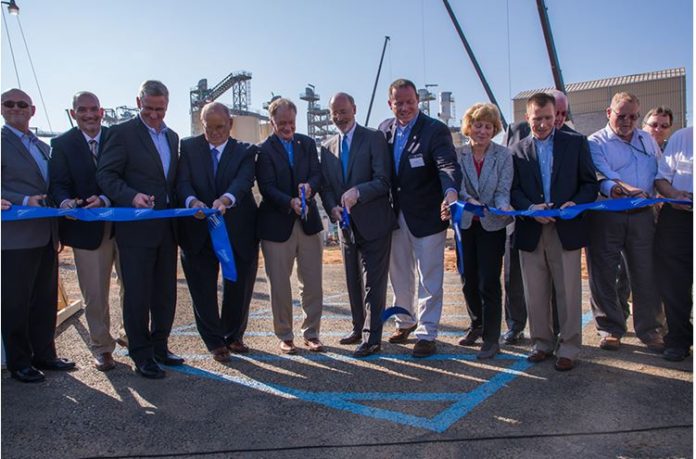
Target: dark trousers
(515, 306)
(29, 302)
(219, 328)
(149, 296)
(674, 262)
(483, 260)
(367, 271)
(633, 234)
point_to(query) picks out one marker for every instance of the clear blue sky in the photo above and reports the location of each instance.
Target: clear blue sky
(109, 47)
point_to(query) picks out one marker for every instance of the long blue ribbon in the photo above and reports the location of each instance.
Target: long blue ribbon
(216, 224)
(345, 219)
(607, 205)
(303, 211)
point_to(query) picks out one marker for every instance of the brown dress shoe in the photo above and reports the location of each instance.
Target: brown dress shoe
(104, 362)
(424, 348)
(471, 336)
(314, 345)
(238, 347)
(221, 354)
(288, 347)
(610, 343)
(401, 334)
(655, 344)
(538, 356)
(564, 364)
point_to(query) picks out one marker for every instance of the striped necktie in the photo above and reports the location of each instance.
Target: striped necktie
(93, 146)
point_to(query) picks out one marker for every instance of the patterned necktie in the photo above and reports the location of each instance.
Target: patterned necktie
(214, 152)
(93, 145)
(345, 151)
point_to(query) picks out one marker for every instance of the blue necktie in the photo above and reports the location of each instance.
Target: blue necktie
(215, 153)
(345, 149)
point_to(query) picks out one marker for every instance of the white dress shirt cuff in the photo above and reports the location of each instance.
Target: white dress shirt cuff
(232, 199)
(189, 200)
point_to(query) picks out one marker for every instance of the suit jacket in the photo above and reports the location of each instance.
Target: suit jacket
(235, 175)
(130, 164)
(369, 169)
(73, 174)
(491, 189)
(22, 177)
(573, 178)
(278, 185)
(518, 131)
(418, 190)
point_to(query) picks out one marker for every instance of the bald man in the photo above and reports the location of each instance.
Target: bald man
(28, 249)
(217, 171)
(73, 174)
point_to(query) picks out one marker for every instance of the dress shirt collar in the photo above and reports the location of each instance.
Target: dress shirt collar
(88, 138)
(547, 140)
(349, 134)
(408, 126)
(16, 131)
(163, 128)
(220, 148)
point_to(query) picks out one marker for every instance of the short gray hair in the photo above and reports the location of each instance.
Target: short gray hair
(153, 88)
(281, 103)
(215, 107)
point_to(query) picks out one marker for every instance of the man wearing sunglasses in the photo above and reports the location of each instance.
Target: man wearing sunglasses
(658, 123)
(627, 159)
(30, 278)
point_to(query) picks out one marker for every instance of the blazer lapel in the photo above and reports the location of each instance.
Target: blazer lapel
(336, 172)
(488, 166)
(146, 140)
(413, 142)
(226, 158)
(355, 145)
(558, 147)
(530, 151)
(173, 148)
(469, 168)
(82, 149)
(22, 150)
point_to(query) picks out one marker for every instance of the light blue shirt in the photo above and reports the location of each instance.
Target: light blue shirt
(30, 142)
(633, 162)
(544, 150)
(161, 144)
(401, 139)
(677, 164)
(287, 144)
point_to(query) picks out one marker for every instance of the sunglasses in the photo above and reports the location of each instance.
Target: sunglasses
(632, 117)
(12, 103)
(662, 125)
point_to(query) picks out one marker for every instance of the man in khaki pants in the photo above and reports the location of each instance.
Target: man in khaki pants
(288, 166)
(72, 171)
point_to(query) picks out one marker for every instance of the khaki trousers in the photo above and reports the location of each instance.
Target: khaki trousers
(279, 258)
(94, 269)
(549, 265)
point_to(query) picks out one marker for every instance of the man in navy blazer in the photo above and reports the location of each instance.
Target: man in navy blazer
(30, 264)
(288, 167)
(356, 167)
(217, 171)
(73, 172)
(425, 170)
(137, 169)
(553, 169)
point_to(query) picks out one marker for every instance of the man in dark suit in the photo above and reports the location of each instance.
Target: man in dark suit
(138, 169)
(30, 264)
(287, 167)
(217, 171)
(356, 167)
(72, 169)
(425, 170)
(552, 170)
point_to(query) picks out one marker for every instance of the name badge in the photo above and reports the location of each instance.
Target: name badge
(416, 161)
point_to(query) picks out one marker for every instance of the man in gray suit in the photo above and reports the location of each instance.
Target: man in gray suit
(30, 278)
(355, 167)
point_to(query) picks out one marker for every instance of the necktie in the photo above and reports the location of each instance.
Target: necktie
(93, 148)
(214, 152)
(345, 150)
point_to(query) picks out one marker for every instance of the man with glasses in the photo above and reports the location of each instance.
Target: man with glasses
(30, 274)
(658, 123)
(627, 159)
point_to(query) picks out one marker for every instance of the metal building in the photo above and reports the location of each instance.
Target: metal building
(589, 100)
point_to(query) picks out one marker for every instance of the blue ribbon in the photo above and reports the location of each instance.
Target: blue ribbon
(216, 224)
(456, 216)
(345, 219)
(303, 211)
(387, 313)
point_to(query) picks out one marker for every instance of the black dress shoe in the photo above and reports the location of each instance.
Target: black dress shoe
(675, 354)
(169, 358)
(424, 348)
(28, 374)
(56, 364)
(512, 336)
(366, 349)
(351, 338)
(150, 369)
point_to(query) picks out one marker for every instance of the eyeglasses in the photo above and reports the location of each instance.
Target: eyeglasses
(633, 117)
(655, 125)
(12, 103)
